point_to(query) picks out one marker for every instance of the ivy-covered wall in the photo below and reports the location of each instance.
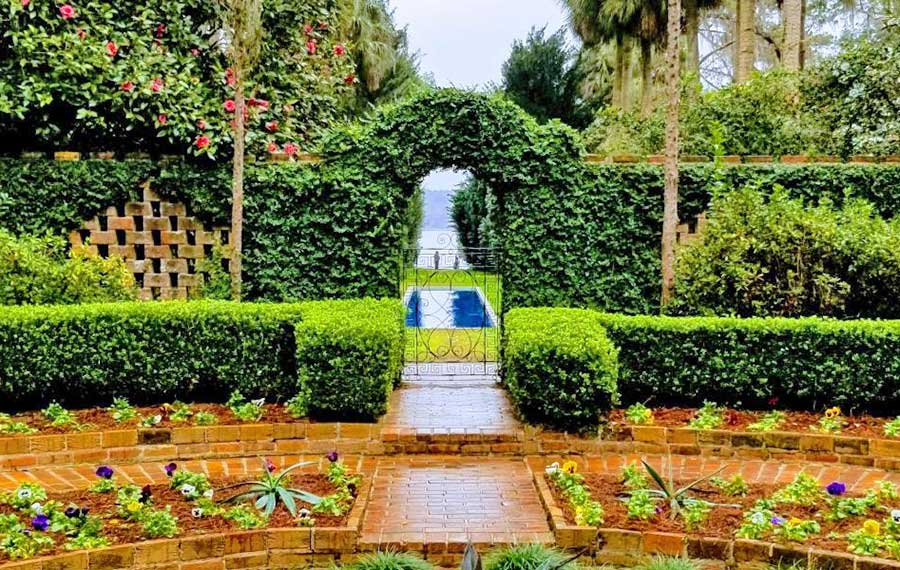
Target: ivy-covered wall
(571, 233)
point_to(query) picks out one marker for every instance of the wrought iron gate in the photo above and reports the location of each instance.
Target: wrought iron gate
(453, 309)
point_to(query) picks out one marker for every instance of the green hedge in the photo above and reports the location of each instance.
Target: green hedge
(85, 355)
(806, 364)
(559, 367)
(347, 356)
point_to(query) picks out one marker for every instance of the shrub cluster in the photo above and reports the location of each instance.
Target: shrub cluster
(776, 256)
(559, 367)
(86, 355)
(36, 270)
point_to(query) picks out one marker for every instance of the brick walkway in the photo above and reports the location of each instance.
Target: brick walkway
(452, 500)
(469, 406)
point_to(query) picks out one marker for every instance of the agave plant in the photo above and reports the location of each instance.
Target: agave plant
(271, 489)
(676, 498)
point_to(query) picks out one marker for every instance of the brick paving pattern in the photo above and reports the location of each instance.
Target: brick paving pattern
(452, 500)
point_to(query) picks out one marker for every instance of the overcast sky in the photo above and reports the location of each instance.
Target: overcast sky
(463, 43)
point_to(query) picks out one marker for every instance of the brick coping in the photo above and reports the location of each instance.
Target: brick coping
(134, 445)
(626, 547)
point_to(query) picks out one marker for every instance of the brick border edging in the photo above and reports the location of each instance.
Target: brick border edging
(618, 546)
(270, 548)
(880, 453)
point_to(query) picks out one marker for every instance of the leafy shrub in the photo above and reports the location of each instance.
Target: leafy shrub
(774, 256)
(159, 352)
(36, 270)
(559, 366)
(349, 356)
(808, 363)
(390, 561)
(472, 207)
(525, 557)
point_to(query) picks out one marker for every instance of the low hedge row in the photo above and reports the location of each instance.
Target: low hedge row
(559, 367)
(806, 364)
(85, 355)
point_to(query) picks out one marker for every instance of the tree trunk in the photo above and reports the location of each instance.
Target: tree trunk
(619, 73)
(237, 185)
(626, 74)
(646, 79)
(692, 31)
(792, 47)
(670, 192)
(745, 40)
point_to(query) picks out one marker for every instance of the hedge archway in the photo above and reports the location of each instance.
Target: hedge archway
(491, 138)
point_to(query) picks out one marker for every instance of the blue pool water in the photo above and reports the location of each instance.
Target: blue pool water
(440, 309)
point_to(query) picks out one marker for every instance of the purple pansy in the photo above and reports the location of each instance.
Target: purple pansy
(777, 521)
(146, 493)
(332, 456)
(40, 522)
(170, 469)
(836, 489)
(105, 472)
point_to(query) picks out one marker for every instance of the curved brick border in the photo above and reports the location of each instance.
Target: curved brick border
(626, 547)
(775, 446)
(135, 445)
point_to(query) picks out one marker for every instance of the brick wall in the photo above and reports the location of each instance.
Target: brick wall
(160, 241)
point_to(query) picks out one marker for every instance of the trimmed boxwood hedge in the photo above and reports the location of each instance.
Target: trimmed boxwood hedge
(559, 367)
(806, 364)
(84, 355)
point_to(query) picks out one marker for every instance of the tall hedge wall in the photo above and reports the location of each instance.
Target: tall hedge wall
(85, 355)
(593, 240)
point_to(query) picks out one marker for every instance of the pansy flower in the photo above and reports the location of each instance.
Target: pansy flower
(170, 469)
(332, 456)
(777, 521)
(836, 489)
(104, 472)
(40, 522)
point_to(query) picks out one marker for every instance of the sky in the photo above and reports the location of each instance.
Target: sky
(463, 43)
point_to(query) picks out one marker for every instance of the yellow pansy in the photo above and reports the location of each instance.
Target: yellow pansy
(795, 521)
(872, 528)
(133, 507)
(570, 467)
(832, 412)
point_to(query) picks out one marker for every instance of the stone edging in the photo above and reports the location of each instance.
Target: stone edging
(270, 549)
(779, 446)
(626, 547)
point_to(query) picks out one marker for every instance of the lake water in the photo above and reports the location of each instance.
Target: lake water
(445, 309)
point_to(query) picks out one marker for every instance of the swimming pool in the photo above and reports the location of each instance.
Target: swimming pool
(446, 309)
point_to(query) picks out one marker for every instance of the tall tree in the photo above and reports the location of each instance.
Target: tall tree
(244, 22)
(670, 192)
(692, 14)
(744, 40)
(593, 28)
(539, 76)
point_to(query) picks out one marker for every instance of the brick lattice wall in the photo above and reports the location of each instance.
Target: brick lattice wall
(160, 241)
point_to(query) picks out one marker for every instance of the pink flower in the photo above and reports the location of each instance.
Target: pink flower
(202, 142)
(339, 50)
(160, 30)
(25, 3)
(157, 85)
(229, 76)
(272, 126)
(290, 149)
(112, 49)
(67, 11)
(128, 87)
(311, 47)
(81, 33)
(350, 79)
(201, 124)
(307, 29)
(261, 103)
(229, 106)
(195, 52)
(272, 147)
(162, 119)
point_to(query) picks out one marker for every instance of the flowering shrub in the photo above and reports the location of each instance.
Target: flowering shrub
(639, 414)
(108, 75)
(588, 512)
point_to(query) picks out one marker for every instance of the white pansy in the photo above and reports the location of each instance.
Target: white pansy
(758, 518)
(24, 493)
(197, 512)
(37, 508)
(208, 493)
(552, 468)
(258, 403)
(895, 514)
(303, 513)
(188, 490)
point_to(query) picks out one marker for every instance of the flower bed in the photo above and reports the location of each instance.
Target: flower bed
(35, 522)
(801, 514)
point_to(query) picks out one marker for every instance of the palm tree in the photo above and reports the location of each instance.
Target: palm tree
(744, 40)
(792, 12)
(645, 21)
(370, 28)
(670, 192)
(692, 10)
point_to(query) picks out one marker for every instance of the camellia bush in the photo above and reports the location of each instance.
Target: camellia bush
(766, 254)
(152, 74)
